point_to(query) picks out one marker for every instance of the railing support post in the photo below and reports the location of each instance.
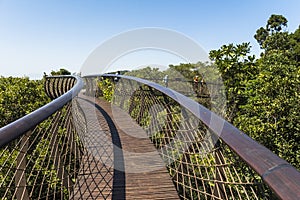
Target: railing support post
(219, 189)
(123, 94)
(20, 178)
(169, 126)
(132, 103)
(142, 108)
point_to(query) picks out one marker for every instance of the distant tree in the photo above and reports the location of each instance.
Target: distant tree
(271, 114)
(276, 23)
(274, 36)
(149, 73)
(261, 36)
(264, 94)
(236, 67)
(186, 70)
(60, 72)
(18, 97)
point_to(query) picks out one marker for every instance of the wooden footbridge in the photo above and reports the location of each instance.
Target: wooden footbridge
(148, 142)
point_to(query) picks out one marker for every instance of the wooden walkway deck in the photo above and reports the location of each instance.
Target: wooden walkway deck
(120, 161)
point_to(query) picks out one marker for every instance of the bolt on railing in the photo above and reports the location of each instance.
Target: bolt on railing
(207, 157)
(40, 153)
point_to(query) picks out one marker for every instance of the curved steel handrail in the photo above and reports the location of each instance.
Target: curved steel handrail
(281, 176)
(26, 123)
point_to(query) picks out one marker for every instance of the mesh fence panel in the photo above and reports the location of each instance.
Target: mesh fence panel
(44, 162)
(200, 164)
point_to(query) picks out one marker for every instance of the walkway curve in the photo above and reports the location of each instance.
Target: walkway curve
(108, 171)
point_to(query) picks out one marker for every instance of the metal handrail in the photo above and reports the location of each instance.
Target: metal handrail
(281, 176)
(28, 122)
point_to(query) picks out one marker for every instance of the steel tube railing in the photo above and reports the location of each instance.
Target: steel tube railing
(41, 153)
(193, 165)
(277, 173)
(28, 122)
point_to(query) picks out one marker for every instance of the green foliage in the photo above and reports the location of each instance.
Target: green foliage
(18, 97)
(295, 45)
(271, 115)
(276, 23)
(263, 94)
(275, 37)
(147, 73)
(60, 72)
(261, 35)
(180, 78)
(186, 70)
(106, 87)
(236, 67)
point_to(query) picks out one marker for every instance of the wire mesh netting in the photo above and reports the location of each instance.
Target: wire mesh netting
(59, 160)
(43, 163)
(200, 164)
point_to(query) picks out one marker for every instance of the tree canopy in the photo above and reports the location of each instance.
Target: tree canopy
(18, 97)
(61, 71)
(263, 94)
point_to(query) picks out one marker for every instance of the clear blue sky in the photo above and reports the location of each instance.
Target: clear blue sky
(38, 36)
